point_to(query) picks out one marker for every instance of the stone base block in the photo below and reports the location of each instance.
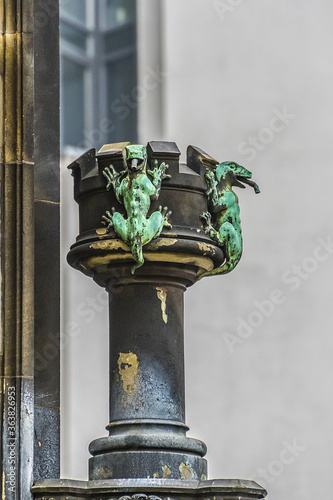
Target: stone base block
(149, 464)
(148, 489)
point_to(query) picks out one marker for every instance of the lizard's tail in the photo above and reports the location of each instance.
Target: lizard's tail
(137, 254)
(226, 268)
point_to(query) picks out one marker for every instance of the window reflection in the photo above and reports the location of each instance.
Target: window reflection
(98, 72)
(72, 75)
(73, 35)
(77, 9)
(122, 99)
(119, 12)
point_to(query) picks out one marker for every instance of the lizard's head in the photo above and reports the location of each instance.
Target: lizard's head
(235, 175)
(136, 157)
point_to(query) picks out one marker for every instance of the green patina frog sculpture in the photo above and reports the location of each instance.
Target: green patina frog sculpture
(135, 190)
(222, 221)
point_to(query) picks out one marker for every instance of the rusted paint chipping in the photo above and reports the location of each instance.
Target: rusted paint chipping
(114, 244)
(204, 247)
(162, 295)
(185, 471)
(103, 260)
(166, 471)
(163, 242)
(128, 370)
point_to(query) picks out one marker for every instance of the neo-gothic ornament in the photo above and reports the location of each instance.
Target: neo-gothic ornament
(222, 221)
(147, 455)
(135, 190)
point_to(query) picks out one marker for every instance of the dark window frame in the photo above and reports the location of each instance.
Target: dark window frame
(94, 62)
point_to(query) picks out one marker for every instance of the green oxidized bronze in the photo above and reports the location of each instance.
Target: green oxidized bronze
(222, 221)
(135, 190)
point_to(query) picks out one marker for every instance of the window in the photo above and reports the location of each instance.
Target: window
(98, 72)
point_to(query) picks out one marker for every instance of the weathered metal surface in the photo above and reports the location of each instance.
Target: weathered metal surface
(149, 489)
(212, 218)
(147, 452)
(147, 463)
(147, 390)
(135, 190)
(147, 353)
(185, 247)
(222, 220)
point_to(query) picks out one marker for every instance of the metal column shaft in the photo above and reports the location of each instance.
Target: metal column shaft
(147, 353)
(147, 395)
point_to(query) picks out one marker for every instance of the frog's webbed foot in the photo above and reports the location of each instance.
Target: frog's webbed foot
(108, 219)
(165, 214)
(162, 171)
(159, 171)
(211, 182)
(210, 178)
(209, 229)
(111, 176)
(207, 221)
